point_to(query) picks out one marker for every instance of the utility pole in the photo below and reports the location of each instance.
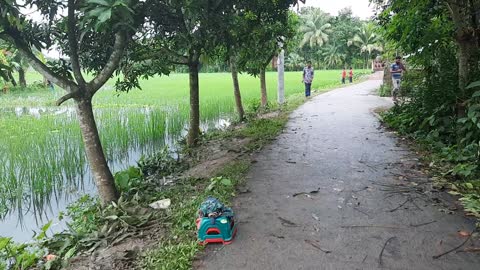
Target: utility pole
(281, 73)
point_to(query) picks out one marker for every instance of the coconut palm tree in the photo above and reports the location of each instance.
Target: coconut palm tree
(294, 61)
(315, 28)
(333, 55)
(367, 40)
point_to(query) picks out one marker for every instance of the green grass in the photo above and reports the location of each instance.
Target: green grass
(43, 156)
(214, 87)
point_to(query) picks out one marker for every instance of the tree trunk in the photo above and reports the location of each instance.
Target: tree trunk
(194, 130)
(465, 17)
(236, 89)
(263, 88)
(21, 77)
(468, 58)
(387, 76)
(94, 151)
(12, 79)
(4, 76)
(281, 77)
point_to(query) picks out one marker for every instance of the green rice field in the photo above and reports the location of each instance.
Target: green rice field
(42, 163)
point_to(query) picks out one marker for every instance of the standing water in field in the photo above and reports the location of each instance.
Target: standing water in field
(42, 162)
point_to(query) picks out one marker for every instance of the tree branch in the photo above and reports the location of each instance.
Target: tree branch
(112, 64)
(41, 68)
(15, 36)
(182, 60)
(73, 44)
(67, 97)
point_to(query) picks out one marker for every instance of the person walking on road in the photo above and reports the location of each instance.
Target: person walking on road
(397, 70)
(308, 75)
(350, 75)
(344, 75)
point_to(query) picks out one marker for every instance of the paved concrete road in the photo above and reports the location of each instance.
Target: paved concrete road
(371, 197)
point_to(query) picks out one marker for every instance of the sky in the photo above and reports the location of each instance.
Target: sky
(360, 8)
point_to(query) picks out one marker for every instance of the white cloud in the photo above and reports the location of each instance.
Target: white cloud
(360, 8)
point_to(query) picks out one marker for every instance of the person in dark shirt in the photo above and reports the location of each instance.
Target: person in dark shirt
(308, 75)
(397, 70)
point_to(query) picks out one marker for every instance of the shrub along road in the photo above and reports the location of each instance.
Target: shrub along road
(336, 191)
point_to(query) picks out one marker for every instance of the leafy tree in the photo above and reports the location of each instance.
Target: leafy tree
(5, 68)
(344, 28)
(455, 20)
(437, 37)
(177, 33)
(77, 34)
(266, 24)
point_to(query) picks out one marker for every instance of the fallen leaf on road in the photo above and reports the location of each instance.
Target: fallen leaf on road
(286, 222)
(315, 245)
(464, 233)
(161, 204)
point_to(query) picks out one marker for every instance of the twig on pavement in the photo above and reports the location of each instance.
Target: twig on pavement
(398, 207)
(455, 248)
(422, 224)
(380, 260)
(373, 226)
(361, 211)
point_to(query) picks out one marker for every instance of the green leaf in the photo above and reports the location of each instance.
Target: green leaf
(4, 241)
(469, 185)
(211, 186)
(47, 226)
(44, 229)
(473, 84)
(99, 2)
(226, 182)
(105, 16)
(97, 12)
(476, 94)
(134, 172)
(70, 253)
(122, 179)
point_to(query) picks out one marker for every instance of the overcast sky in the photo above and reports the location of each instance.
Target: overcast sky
(360, 8)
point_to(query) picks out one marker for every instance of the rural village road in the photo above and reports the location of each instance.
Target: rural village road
(370, 206)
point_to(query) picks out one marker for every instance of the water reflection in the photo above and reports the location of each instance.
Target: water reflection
(127, 135)
(37, 112)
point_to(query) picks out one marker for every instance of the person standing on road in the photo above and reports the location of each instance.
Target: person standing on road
(350, 75)
(344, 75)
(308, 78)
(397, 70)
